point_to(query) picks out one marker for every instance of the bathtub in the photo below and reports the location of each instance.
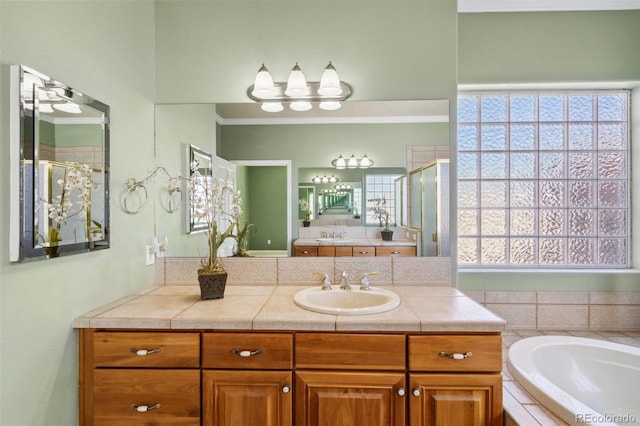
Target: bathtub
(582, 381)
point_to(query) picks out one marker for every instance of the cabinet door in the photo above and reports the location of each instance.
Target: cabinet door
(455, 399)
(326, 251)
(348, 399)
(246, 398)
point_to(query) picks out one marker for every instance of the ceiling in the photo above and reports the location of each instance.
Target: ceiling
(410, 111)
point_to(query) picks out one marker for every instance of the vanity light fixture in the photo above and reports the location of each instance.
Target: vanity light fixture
(325, 179)
(352, 163)
(297, 92)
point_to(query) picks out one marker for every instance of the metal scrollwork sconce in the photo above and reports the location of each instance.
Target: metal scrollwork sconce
(136, 195)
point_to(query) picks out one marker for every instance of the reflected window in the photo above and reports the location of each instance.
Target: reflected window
(378, 187)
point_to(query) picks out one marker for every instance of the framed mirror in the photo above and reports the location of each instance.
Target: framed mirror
(201, 161)
(59, 168)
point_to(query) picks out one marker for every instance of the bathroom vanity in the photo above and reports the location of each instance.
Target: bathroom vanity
(164, 357)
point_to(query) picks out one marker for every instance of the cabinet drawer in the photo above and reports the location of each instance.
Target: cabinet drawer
(306, 251)
(326, 251)
(350, 351)
(344, 251)
(146, 349)
(172, 397)
(247, 350)
(363, 251)
(485, 353)
(395, 251)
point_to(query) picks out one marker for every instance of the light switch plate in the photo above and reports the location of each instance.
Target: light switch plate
(151, 258)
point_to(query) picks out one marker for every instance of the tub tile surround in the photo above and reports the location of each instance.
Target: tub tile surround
(521, 408)
(544, 310)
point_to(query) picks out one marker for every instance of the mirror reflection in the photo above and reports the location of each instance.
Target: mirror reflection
(202, 162)
(60, 166)
(398, 136)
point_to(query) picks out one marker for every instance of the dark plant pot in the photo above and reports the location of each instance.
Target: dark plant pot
(306, 223)
(387, 235)
(212, 285)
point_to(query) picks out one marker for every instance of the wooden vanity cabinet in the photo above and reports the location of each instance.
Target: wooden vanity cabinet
(247, 379)
(353, 251)
(395, 251)
(455, 380)
(139, 378)
(250, 378)
(355, 379)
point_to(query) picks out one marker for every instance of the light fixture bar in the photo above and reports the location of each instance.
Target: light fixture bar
(279, 95)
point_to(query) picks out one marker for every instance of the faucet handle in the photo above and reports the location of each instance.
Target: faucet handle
(364, 282)
(326, 281)
(345, 281)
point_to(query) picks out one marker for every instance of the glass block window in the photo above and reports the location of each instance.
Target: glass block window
(543, 179)
(377, 187)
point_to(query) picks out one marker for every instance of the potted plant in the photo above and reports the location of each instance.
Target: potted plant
(213, 200)
(304, 206)
(381, 213)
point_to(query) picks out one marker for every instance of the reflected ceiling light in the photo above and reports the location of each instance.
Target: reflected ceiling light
(300, 106)
(342, 186)
(300, 94)
(325, 179)
(352, 163)
(272, 106)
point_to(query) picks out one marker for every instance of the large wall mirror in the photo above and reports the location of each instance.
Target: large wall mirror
(383, 130)
(59, 168)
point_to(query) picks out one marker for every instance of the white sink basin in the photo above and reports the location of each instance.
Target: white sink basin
(343, 302)
(333, 240)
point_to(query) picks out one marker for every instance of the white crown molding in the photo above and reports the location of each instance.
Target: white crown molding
(478, 6)
(332, 120)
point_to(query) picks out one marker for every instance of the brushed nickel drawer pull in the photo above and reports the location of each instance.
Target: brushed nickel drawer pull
(363, 252)
(246, 353)
(145, 352)
(145, 408)
(395, 252)
(456, 356)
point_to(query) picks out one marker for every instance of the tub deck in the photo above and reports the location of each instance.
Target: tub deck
(520, 407)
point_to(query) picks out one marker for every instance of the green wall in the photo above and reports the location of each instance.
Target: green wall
(210, 51)
(549, 47)
(569, 47)
(268, 207)
(105, 49)
(315, 145)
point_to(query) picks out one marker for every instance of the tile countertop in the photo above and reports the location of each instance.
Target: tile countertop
(353, 242)
(422, 309)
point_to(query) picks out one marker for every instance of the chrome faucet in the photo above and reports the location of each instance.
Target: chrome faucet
(345, 281)
(364, 282)
(326, 281)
